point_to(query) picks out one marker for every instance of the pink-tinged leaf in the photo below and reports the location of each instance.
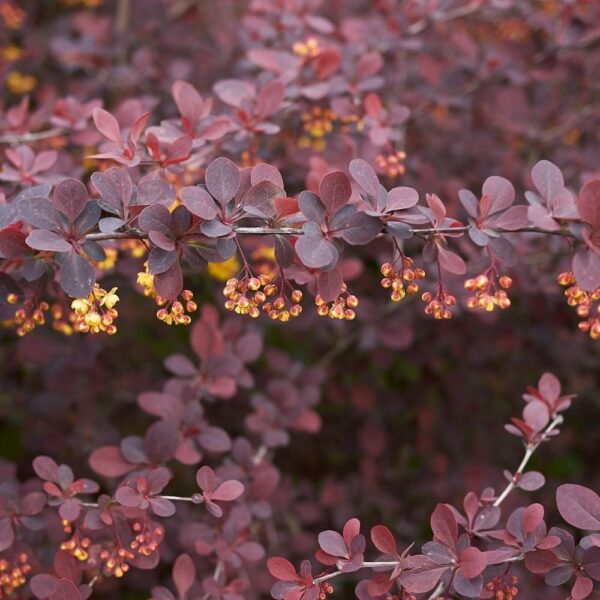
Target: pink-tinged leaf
(500, 191)
(70, 197)
(205, 478)
(199, 202)
(313, 249)
(586, 268)
(531, 481)
(47, 241)
(189, 102)
(516, 217)
(335, 191)
(541, 562)
(114, 186)
(401, 198)
(266, 172)
(421, 574)
(532, 517)
(329, 284)
(579, 506)
(549, 387)
(170, 283)
(278, 61)
(7, 535)
(222, 179)
(444, 525)
(588, 203)
(450, 261)
(436, 206)
(184, 574)
(45, 468)
(228, 491)
(591, 562)
(269, 99)
(282, 569)
(107, 125)
(582, 588)
(12, 243)
(351, 530)
(42, 585)
(548, 179)
(383, 540)
(333, 543)
(536, 415)
(369, 64)
(472, 562)
(355, 227)
(364, 174)
(138, 127)
(234, 91)
(65, 590)
(76, 276)
(109, 462)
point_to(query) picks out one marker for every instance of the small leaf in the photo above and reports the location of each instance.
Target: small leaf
(579, 506)
(76, 276)
(222, 180)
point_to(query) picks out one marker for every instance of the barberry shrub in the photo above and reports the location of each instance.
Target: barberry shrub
(426, 172)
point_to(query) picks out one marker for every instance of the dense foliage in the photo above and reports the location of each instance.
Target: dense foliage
(425, 171)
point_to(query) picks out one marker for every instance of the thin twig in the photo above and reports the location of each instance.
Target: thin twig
(530, 449)
(32, 137)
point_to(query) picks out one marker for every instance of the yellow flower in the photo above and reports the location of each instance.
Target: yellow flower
(80, 305)
(110, 299)
(11, 53)
(18, 83)
(224, 270)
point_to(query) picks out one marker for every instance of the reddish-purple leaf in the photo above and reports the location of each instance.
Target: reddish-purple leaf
(335, 191)
(222, 179)
(109, 462)
(184, 574)
(48, 241)
(588, 203)
(472, 562)
(282, 569)
(548, 179)
(228, 491)
(364, 174)
(107, 125)
(76, 275)
(579, 506)
(383, 540)
(444, 525)
(70, 197)
(333, 543)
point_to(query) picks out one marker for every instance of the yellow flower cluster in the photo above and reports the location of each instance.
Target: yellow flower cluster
(170, 312)
(147, 538)
(489, 292)
(586, 304)
(77, 547)
(20, 83)
(30, 315)
(308, 49)
(342, 308)
(97, 312)
(115, 562)
(437, 306)
(245, 296)
(391, 163)
(11, 53)
(13, 574)
(174, 313)
(401, 281)
(317, 123)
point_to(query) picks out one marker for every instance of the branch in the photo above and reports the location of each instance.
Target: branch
(266, 230)
(32, 137)
(530, 449)
(365, 565)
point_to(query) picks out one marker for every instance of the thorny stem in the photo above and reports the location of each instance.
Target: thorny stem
(265, 230)
(177, 498)
(32, 137)
(365, 565)
(529, 450)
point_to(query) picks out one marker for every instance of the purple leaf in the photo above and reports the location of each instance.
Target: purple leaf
(548, 179)
(222, 180)
(70, 197)
(333, 543)
(329, 284)
(76, 276)
(313, 249)
(184, 574)
(42, 239)
(586, 268)
(199, 202)
(579, 506)
(335, 191)
(364, 174)
(401, 198)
